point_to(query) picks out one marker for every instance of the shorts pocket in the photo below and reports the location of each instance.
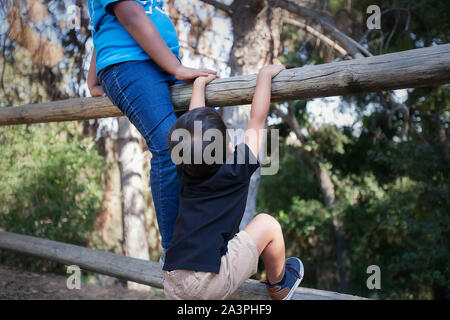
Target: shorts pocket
(183, 283)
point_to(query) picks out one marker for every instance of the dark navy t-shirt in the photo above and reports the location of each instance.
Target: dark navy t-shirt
(210, 211)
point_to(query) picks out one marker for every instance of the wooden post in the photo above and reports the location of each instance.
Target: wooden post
(132, 269)
(407, 69)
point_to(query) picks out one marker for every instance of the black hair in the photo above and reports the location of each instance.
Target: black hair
(210, 119)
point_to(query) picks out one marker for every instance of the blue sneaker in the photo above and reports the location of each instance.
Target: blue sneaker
(293, 275)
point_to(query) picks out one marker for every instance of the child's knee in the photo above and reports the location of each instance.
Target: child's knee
(268, 221)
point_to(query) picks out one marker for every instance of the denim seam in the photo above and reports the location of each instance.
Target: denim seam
(125, 96)
(161, 202)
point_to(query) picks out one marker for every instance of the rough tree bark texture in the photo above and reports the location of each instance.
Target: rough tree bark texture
(110, 211)
(133, 201)
(256, 42)
(415, 68)
(142, 271)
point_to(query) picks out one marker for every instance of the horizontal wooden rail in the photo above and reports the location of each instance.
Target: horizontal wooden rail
(407, 69)
(137, 270)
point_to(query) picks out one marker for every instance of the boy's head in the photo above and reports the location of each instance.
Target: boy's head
(199, 139)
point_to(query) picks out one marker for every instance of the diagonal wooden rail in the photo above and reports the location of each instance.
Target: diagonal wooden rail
(137, 270)
(407, 69)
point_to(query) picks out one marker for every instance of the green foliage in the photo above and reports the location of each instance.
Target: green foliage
(307, 229)
(336, 5)
(391, 178)
(50, 175)
(329, 140)
(50, 184)
(393, 203)
(392, 189)
(392, 226)
(303, 183)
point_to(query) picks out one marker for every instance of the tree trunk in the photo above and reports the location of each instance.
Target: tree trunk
(106, 223)
(443, 140)
(133, 201)
(256, 42)
(329, 197)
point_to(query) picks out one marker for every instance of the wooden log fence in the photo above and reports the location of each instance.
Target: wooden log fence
(132, 269)
(407, 69)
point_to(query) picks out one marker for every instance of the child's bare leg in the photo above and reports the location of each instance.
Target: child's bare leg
(266, 232)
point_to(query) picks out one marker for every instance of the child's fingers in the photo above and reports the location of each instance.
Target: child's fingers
(208, 78)
(97, 91)
(208, 71)
(212, 77)
(201, 74)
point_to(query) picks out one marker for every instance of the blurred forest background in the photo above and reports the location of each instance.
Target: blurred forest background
(363, 180)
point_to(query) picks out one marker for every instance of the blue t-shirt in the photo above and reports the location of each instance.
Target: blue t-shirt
(210, 211)
(113, 44)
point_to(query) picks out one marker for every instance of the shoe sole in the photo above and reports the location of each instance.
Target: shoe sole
(302, 272)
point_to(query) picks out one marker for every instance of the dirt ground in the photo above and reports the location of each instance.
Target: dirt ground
(24, 285)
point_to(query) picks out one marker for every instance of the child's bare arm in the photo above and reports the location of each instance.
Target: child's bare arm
(198, 91)
(94, 86)
(260, 107)
(134, 19)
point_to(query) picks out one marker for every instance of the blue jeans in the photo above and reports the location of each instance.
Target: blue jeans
(140, 89)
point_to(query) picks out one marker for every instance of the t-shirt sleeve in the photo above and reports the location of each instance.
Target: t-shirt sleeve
(108, 5)
(245, 162)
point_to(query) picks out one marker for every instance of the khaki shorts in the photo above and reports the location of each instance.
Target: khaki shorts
(237, 265)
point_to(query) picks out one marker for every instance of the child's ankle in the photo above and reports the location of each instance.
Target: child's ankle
(280, 281)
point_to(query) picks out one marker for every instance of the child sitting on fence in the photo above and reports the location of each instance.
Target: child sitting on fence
(208, 258)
